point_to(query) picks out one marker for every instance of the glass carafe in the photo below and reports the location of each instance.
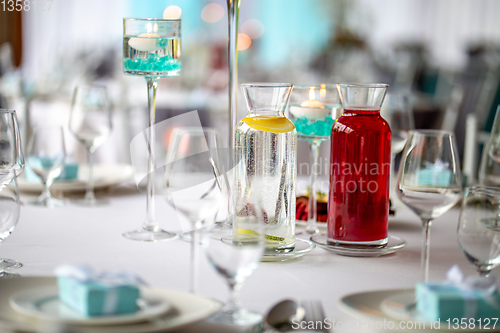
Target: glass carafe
(360, 159)
(265, 171)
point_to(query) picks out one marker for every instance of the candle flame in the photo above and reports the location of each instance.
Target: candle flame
(155, 28)
(312, 96)
(149, 27)
(322, 91)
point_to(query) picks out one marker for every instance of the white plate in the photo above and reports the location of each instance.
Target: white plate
(185, 309)
(321, 225)
(393, 244)
(104, 176)
(44, 303)
(373, 305)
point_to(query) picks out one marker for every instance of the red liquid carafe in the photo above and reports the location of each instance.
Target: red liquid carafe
(360, 159)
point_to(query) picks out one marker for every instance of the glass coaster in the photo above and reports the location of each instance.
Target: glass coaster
(393, 244)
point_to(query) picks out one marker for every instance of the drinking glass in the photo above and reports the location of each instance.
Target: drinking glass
(9, 215)
(429, 180)
(151, 49)
(11, 153)
(235, 255)
(90, 123)
(398, 113)
(46, 156)
(489, 169)
(313, 110)
(195, 183)
(479, 227)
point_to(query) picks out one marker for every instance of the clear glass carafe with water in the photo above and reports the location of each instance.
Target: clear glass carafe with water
(265, 171)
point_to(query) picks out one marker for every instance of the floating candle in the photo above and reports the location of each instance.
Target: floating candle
(148, 42)
(311, 109)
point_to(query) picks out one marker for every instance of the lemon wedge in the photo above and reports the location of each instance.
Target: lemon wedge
(270, 123)
(242, 231)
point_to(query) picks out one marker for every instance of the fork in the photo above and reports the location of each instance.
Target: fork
(315, 313)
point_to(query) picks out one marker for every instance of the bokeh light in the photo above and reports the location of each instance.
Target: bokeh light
(212, 13)
(172, 12)
(244, 42)
(253, 28)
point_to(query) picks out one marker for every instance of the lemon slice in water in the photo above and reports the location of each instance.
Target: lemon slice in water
(242, 231)
(270, 123)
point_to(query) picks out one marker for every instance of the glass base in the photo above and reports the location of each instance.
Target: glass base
(376, 243)
(90, 203)
(8, 275)
(150, 236)
(49, 202)
(240, 317)
(9, 264)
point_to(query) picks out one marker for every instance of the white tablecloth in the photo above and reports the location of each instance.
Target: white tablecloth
(45, 238)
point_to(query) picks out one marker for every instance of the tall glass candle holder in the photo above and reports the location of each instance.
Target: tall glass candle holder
(151, 49)
(313, 110)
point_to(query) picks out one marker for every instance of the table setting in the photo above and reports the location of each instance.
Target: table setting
(229, 243)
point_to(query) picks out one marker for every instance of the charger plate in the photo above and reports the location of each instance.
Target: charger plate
(184, 309)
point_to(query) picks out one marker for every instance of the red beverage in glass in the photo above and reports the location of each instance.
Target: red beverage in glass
(360, 159)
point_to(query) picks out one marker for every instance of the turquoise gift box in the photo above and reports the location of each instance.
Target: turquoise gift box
(91, 294)
(443, 301)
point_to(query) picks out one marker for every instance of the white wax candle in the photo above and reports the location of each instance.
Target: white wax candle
(315, 113)
(145, 42)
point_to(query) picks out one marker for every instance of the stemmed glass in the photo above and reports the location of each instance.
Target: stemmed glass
(90, 123)
(235, 254)
(313, 110)
(429, 180)
(151, 49)
(195, 183)
(46, 157)
(9, 215)
(398, 113)
(11, 153)
(479, 228)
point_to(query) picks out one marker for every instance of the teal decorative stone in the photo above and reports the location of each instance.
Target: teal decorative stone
(153, 63)
(443, 301)
(313, 127)
(91, 298)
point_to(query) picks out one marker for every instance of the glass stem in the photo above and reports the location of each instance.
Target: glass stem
(150, 224)
(232, 304)
(90, 196)
(194, 261)
(233, 9)
(46, 196)
(311, 227)
(426, 235)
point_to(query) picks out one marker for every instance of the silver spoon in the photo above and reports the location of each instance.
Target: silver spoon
(284, 314)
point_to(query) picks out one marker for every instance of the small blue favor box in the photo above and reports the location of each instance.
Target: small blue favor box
(446, 301)
(91, 298)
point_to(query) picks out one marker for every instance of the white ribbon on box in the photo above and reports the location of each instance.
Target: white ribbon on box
(471, 286)
(85, 274)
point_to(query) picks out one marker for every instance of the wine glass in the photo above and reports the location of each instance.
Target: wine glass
(151, 49)
(398, 113)
(429, 180)
(11, 153)
(479, 227)
(9, 215)
(90, 123)
(46, 156)
(235, 254)
(194, 182)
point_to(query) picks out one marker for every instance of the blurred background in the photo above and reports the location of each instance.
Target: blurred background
(445, 54)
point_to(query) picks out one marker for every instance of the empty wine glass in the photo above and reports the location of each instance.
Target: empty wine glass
(11, 153)
(429, 180)
(9, 215)
(194, 182)
(46, 155)
(398, 113)
(235, 254)
(90, 123)
(479, 227)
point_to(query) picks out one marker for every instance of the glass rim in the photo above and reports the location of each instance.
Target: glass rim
(320, 86)
(430, 132)
(362, 85)
(267, 85)
(483, 188)
(8, 111)
(150, 19)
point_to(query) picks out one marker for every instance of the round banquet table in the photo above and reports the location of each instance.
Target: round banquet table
(46, 238)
